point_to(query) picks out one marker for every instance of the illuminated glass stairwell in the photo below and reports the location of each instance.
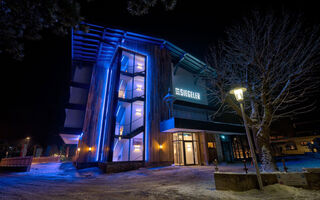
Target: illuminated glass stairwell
(130, 118)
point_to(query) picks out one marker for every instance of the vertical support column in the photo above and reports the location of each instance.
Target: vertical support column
(67, 151)
(219, 147)
(203, 144)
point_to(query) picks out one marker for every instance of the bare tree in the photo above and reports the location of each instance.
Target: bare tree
(276, 58)
(141, 7)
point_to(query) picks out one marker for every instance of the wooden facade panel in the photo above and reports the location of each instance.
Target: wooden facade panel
(158, 82)
(161, 81)
(92, 125)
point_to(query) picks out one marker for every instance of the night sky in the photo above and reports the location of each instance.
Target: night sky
(34, 91)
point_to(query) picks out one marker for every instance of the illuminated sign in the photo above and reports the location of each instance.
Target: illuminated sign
(187, 93)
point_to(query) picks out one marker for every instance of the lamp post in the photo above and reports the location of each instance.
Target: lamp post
(238, 93)
(24, 148)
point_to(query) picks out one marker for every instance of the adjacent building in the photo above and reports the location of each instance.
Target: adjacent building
(139, 99)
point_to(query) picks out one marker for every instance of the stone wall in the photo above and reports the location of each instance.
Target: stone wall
(114, 167)
(243, 182)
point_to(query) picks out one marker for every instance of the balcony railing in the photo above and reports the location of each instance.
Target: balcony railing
(126, 129)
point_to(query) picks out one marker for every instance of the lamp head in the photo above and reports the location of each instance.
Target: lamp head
(238, 93)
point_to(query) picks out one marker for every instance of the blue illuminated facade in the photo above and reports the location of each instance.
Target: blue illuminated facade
(116, 100)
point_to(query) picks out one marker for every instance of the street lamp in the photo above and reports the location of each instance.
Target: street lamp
(24, 147)
(238, 93)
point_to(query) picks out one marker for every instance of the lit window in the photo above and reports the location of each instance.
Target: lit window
(210, 145)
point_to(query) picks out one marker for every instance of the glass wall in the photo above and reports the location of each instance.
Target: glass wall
(130, 119)
(240, 148)
(185, 148)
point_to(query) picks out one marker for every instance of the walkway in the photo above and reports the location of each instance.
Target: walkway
(62, 181)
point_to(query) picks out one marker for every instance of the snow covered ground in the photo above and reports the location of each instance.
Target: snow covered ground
(62, 181)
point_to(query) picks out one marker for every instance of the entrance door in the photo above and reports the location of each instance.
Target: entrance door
(188, 150)
(185, 149)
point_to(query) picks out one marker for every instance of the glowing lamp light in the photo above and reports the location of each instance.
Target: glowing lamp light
(139, 66)
(121, 132)
(27, 138)
(160, 146)
(139, 87)
(138, 112)
(223, 137)
(78, 149)
(238, 93)
(136, 147)
(189, 147)
(90, 148)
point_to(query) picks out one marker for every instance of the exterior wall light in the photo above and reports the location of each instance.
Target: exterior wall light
(160, 146)
(90, 148)
(78, 149)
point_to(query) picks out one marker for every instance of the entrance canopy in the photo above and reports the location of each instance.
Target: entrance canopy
(174, 124)
(70, 138)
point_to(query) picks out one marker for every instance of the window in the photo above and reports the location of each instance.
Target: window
(130, 118)
(240, 148)
(291, 146)
(304, 143)
(211, 145)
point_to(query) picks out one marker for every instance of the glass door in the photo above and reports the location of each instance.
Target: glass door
(188, 149)
(185, 147)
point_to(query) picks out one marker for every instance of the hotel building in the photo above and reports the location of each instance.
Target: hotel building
(137, 101)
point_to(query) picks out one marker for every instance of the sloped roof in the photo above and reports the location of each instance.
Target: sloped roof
(100, 43)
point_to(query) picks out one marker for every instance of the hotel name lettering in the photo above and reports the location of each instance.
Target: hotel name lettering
(187, 93)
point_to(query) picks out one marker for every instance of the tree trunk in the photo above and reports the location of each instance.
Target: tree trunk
(263, 139)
